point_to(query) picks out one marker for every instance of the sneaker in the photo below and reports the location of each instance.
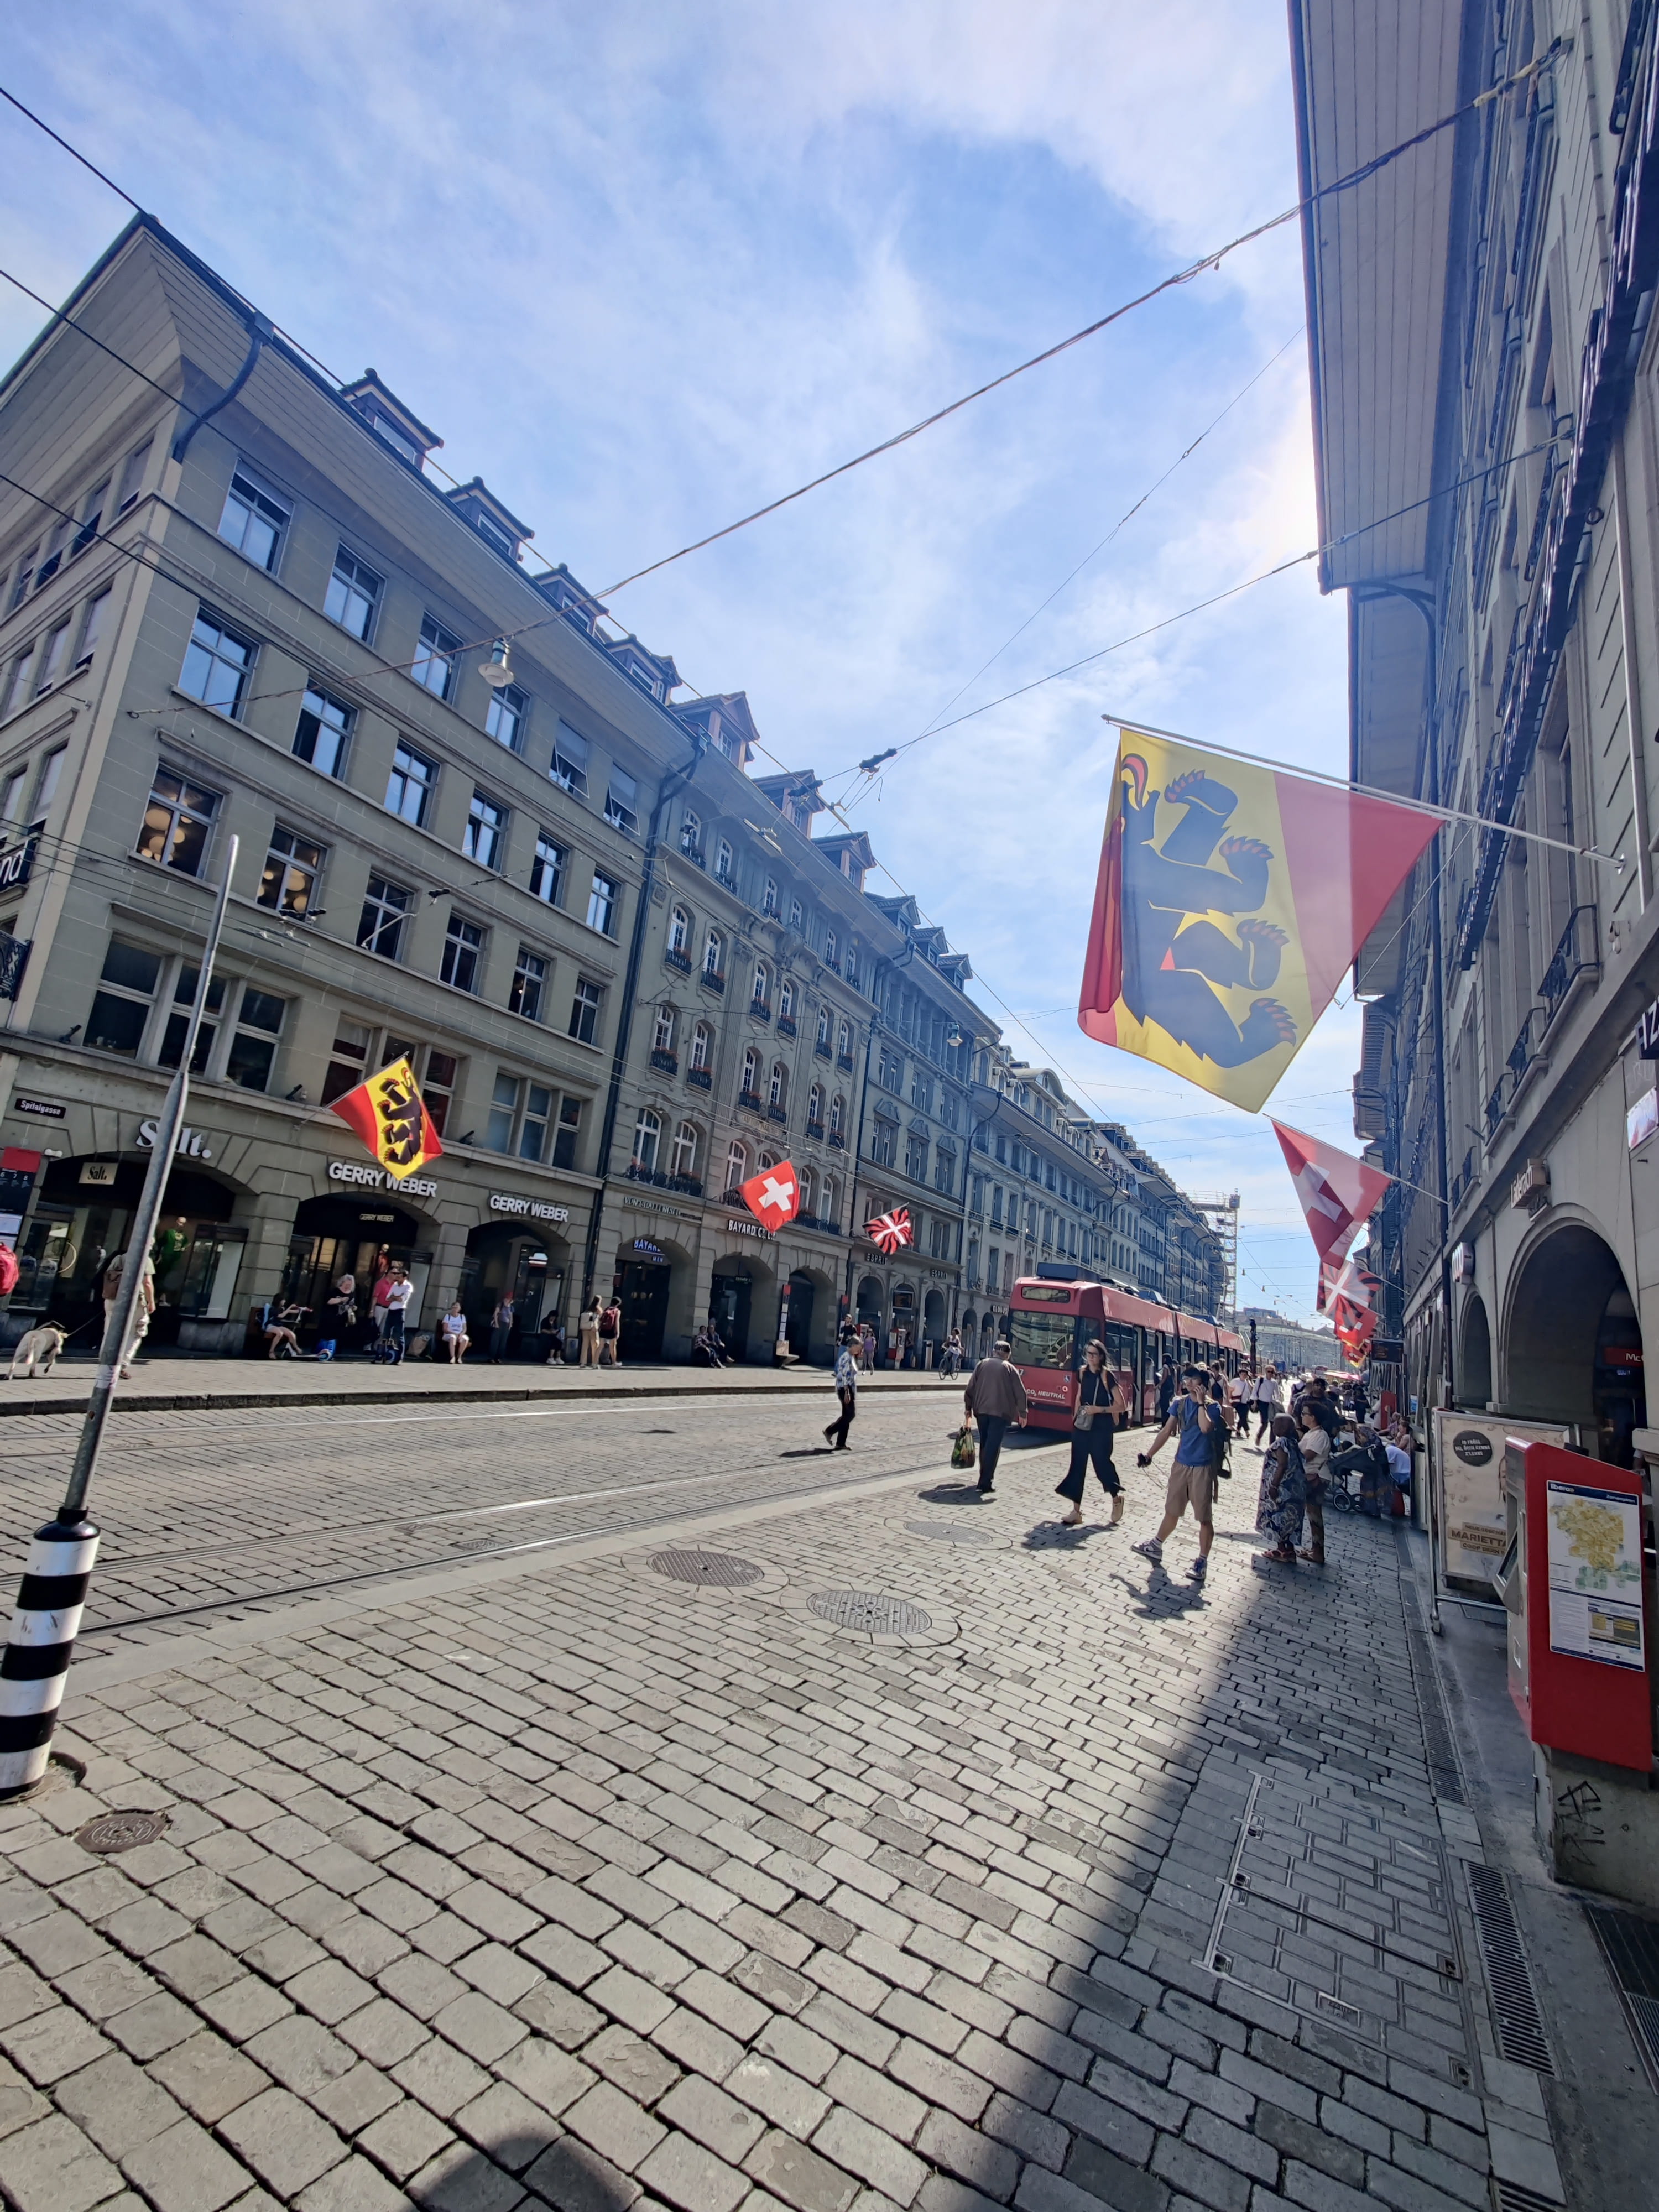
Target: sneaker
(1198, 1568)
(1152, 1550)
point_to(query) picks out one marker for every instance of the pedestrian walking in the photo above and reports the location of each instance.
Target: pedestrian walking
(847, 1389)
(1269, 1401)
(1166, 1391)
(949, 1363)
(1284, 1492)
(611, 1334)
(995, 1396)
(867, 1349)
(399, 1291)
(587, 1327)
(339, 1314)
(1315, 1447)
(1194, 1420)
(501, 1330)
(1101, 1406)
(452, 1334)
(141, 1312)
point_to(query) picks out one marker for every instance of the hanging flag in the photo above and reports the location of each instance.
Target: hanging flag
(773, 1196)
(388, 1113)
(1339, 1193)
(892, 1231)
(1231, 899)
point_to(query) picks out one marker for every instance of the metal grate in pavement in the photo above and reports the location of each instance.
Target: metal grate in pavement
(1631, 1948)
(877, 1615)
(711, 1570)
(951, 1532)
(120, 1831)
(1516, 2017)
(1512, 2197)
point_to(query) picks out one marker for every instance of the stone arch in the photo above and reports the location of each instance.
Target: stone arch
(816, 1341)
(1569, 1314)
(1474, 1374)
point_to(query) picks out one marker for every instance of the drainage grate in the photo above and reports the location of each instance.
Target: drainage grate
(1631, 1948)
(1514, 2008)
(711, 1570)
(866, 1609)
(1512, 2197)
(949, 1532)
(120, 1831)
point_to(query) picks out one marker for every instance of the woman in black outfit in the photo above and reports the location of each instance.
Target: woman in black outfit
(1101, 1405)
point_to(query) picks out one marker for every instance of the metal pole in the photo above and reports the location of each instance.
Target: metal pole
(34, 1668)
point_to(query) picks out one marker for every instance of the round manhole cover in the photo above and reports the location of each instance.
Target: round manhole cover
(867, 1609)
(474, 1543)
(120, 1831)
(713, 1570)
(950, 1532)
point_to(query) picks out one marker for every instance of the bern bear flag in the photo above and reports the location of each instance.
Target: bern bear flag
(1231, 902)
(390, 1116)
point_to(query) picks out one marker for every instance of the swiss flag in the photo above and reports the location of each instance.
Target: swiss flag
(1339, 1193)
(773, 1195)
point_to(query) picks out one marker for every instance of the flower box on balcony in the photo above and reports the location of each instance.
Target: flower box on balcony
(837, 1144)
(750, 1101)
(700, 1077)
(761, 1009)
(785, 1025)
(668, 1061)
(776, 1113)
(712, 980)
(844, 1059)
(822, 1050)
(814, 1129)
(680, 960)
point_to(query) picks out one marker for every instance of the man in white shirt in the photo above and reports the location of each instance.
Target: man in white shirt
(847, 1389)
(1269, 1399)
(398, 1292)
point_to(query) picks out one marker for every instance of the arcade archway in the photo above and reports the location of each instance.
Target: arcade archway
(1474, 1389)
(1572, 1348)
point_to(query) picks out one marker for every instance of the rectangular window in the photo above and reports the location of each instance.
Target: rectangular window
(504, 719)
(217, 664)
(21, 670)
(323, 733)
(532, 1130)
(438, 1086)
(503, 1113)
(176, 823)
(380, 925)
(463, 943)
(585, 1010)
(723, 861)
(50, 769)
(434, 659)
(120, 1010)
(53, 559)
(569, 1129)
(602, 904)
(486, 831)
(20, 590)
(349, 1063)
(132, 474)
(253, 1045)
(92, 627)
(254, 519)
(289, 884)
(622, 802)
(11, 795)
(569, 762)
(529, 982)
(547, 869)
(409, 787)
(92, 517)
(54, 656)
(353, 595)
(177, 1028)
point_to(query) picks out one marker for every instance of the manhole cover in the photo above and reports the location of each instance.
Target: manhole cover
(713, 1570)
(949, 1532)
(120, 1831)
(474, 1543)
(867, 1609)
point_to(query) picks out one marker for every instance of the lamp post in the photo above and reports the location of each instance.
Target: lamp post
(34, 1668)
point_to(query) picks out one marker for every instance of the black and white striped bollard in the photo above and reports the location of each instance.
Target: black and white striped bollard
(39, 1647)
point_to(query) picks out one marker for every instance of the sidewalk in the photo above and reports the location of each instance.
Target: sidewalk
(166, 1384)
(893, 1862)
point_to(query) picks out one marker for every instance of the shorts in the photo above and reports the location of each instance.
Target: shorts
(1190, 1485)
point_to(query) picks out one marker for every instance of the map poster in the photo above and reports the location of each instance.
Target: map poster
(1595, 1574)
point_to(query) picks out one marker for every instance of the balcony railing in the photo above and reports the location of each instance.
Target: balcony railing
(844, 1059)
(750, 1102)
(695, 854)
(1496, 1108)
(1575, 955)
(688, 1186)
(785, 1025)
(712, 980)
(837, 1142)
(700, 1077)
(814, 1129)
(823, 1050)
(816, 1221)
(668, 1061)
(680, 960)
(761, 1009)
(776, 1113)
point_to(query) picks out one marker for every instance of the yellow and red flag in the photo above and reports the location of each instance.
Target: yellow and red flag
(388, 1113)
(1231, 900)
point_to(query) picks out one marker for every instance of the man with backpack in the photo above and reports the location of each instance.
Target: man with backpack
(1199, 1420)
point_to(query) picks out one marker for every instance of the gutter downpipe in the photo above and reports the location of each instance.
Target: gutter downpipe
(671, 787)
(261, 328)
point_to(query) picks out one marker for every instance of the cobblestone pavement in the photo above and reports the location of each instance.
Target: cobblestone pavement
(883, 1865)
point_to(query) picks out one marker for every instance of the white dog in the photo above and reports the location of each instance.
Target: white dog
(42, 1345)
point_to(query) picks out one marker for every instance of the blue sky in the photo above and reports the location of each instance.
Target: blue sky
(645, 267)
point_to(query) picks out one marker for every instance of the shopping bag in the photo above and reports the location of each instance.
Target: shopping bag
(962, 1451)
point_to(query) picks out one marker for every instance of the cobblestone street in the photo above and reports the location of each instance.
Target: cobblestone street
(882, 1861)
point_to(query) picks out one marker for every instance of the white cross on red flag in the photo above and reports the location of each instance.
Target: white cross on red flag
(892, 1232)
(773, 1196)
(1339, 1193)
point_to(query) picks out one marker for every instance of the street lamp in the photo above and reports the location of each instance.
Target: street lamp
(497, 671)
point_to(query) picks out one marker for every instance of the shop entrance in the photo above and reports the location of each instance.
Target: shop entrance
(728, 1309)
(643, 1278)
(80, 1222)
(335, 1237)
(802, 1290)
(504, 1262)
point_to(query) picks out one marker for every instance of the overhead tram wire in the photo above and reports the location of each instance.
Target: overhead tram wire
(1209, 261)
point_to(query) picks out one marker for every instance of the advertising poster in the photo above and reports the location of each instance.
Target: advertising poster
(1595, 1574)
(1469, 1472)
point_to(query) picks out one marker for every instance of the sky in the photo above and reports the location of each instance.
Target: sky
(646, 268)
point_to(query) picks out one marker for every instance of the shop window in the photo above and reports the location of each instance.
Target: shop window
(409, 787)
(737, 1165)
(354, 594)
(504, 719)
(121, 1008)
(348, 1064)
(569, 766)
(434, 658)
(529, 985)
(568, 1131)
(602, 904)
(218, 661)
(463, 952)
(621, 800)
(176, 822)
(385, 910)
(254, 518)
(253, 1042)
(647, 1137)
(547, 869)
(322, 733)
(585, 1010)
(185, 988)
(685, 1150)
(289, 884)
(485, 832)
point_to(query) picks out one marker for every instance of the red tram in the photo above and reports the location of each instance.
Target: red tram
(1050, 1323)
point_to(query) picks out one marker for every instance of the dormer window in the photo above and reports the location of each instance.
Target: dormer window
(390, 420)
(493, 534)
(385, 427)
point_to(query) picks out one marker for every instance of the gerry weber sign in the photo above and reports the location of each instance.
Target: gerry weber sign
(354, 1171)
(538, 1209)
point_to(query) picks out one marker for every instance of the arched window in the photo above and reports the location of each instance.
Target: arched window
(831, 947)
(680, 930)
(823, 1027)
(815, 1103)
(769, 898)
(837, 1114)
(714, 954)
(844, 1041)
(806, 1184)
(662, 1037)
(760, 994)
(700, 1043)
(766, 1160)
(778, 1090)
(737, 1164)
(852, 964)
(647, 1136)
(750, 1073)
(685, 1150)
(690, 832)
(787, 1001)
